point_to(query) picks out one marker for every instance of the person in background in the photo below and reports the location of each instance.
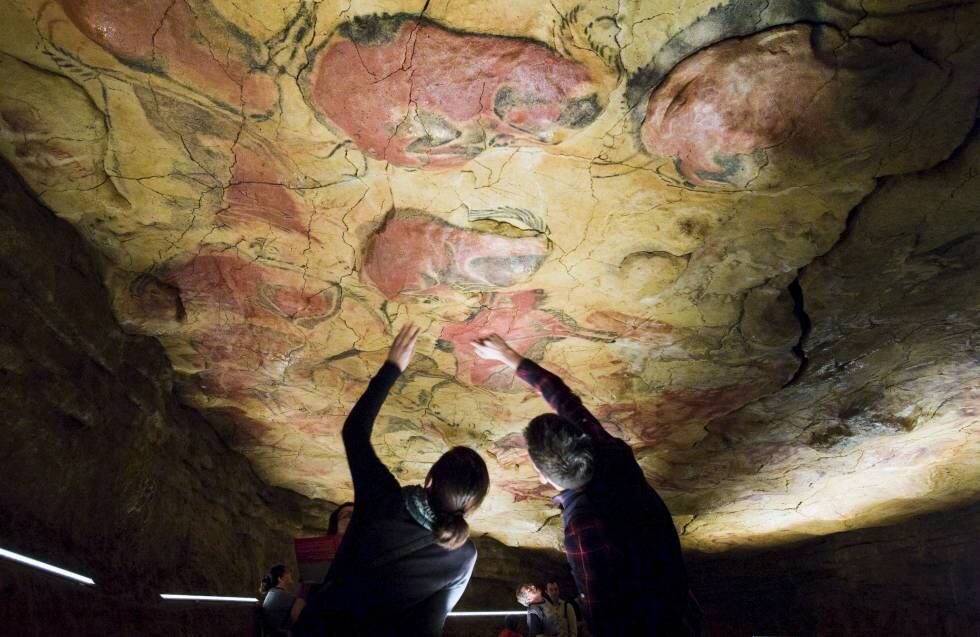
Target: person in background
(567, 619)
(542, 615)
(620, 539)
(313, 572)
(406, 557)
(280, 607)
(512, 627)
(340, 518)
(336, 527)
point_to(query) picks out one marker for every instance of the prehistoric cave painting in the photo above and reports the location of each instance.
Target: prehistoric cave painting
(416, 254)
(635, 328)
(592, 27)
(188, 41)
(237, 385)
(732, 20)
(529, 489)
(318, 425)
(650, 421)
(39, 151)
(255, 181)
(508, 215)
(414, 93)
(228, 283)
(150, 298)
(795, 103)
(510, 450)
(246, 346)
(176, 107)
(57, 144)
(258, 193)
(517, 317)
(206, 135)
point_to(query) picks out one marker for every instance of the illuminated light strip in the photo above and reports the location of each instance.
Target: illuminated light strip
(23, 559)
(209, 598)
(487, 613)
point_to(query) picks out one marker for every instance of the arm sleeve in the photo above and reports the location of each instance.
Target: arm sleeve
(565, 403)
(370, 476)
(438, 606)
(535, 626)
(570, 619)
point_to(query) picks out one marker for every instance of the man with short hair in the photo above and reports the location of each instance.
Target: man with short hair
(567, 619)
(542, 616)
(620, 540)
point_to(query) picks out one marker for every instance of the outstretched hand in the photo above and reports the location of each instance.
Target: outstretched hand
(404, 346)
(494, 348)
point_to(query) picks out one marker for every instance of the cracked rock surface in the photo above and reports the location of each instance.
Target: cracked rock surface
(746, 232)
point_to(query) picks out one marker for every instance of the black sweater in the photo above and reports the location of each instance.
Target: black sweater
(409, 595)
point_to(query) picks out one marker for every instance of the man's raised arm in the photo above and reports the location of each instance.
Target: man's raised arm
(565, 403)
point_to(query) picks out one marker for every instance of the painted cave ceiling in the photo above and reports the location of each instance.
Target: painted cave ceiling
(746, 232)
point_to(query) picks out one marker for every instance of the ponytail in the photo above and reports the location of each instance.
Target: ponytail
(266, 585)
(455, 487)
(271, 579)
(450, 530)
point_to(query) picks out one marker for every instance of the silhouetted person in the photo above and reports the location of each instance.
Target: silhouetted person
(512, 626)
(336, 527)
(280, 607)
(340, 518)
(406, 557)
(620, 540)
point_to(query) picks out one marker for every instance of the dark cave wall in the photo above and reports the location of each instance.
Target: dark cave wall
(105, 472)
(915, 577)
(918, 577)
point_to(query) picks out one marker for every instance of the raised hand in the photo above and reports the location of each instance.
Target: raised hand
(494, 348)
(404, 346)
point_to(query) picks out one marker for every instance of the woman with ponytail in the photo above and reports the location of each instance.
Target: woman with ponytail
(280, 607)
(406, 557)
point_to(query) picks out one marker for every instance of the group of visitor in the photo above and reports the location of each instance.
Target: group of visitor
(406, 557)
(548, 615)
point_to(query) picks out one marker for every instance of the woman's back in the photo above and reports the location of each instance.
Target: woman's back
(391, 572)
(276, 608)
(392, 576)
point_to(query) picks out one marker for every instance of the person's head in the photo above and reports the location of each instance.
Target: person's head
(551, 588)
(455, 487)
(277, 576)
(560, 451)
(340, 518)
(528, 594)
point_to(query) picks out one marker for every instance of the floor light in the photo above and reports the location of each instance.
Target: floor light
(209, 598)
(23, 559)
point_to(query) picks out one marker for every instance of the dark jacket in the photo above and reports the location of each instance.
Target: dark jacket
(388, 578)
(620, 540)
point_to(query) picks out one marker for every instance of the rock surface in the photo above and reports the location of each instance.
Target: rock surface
(918, 577)
(748, 240)
(106, 473)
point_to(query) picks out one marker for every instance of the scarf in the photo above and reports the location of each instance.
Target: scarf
(418, 506)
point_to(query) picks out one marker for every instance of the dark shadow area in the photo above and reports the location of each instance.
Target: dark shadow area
(105, 471)
(917, 577)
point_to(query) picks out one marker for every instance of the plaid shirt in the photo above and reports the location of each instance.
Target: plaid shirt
(605, 562)
(587, 545)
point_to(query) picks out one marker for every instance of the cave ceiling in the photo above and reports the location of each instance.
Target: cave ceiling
(746, 232)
